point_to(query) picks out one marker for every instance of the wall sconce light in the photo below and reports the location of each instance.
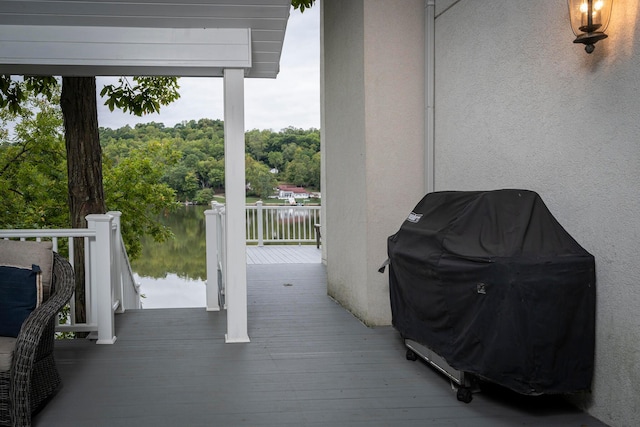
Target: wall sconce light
(589, 21)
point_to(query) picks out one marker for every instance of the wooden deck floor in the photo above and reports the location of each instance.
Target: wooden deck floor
(309, 363)
(283, 254)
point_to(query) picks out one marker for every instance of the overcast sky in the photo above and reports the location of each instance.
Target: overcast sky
(292, 99)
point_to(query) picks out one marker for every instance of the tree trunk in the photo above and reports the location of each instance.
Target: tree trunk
(84, 166)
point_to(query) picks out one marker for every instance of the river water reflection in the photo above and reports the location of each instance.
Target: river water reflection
(172, 274)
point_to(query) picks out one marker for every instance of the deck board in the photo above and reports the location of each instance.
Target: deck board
(283, 254)
(309, 363)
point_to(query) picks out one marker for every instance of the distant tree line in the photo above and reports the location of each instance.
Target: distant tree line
(194, 150)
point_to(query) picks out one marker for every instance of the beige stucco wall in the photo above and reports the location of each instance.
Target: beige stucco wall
(372, 142)
(519, 105)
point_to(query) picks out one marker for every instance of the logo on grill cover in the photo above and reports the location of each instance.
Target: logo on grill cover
(414, 217)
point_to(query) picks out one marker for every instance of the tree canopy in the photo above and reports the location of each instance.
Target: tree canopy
(33, 175)
(291, 155)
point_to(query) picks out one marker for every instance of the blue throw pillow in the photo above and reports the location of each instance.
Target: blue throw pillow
(18, 297)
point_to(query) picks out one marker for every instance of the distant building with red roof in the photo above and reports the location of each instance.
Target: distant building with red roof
(288, 191)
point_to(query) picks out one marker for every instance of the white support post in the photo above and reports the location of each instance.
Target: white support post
(100, 252)
(211, 238)
(117, 262)
(260, 228)
(236, 255)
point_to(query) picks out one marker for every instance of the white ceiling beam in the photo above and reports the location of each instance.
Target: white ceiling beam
(55, 50)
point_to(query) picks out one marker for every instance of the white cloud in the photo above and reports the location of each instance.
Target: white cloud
(292, 99)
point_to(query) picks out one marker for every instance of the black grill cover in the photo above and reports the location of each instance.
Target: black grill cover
(491, 282)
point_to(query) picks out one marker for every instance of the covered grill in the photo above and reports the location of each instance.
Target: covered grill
(495, 286)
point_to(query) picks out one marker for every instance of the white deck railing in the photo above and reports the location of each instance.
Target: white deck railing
(281, 224)
(109, 284)
(215, 256)
(264, 224)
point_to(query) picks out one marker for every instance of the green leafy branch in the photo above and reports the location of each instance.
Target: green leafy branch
(302, 4)
(145, 95)
(14, 92)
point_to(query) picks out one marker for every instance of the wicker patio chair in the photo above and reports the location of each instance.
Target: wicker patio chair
(34, 378)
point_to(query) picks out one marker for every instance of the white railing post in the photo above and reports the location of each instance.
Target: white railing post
(90, 283)
(117, 262)
(222, 255)
(260, 230)
(211, 237)
(100, 252)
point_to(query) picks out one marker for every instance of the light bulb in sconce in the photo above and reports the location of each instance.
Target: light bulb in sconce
(589, 21)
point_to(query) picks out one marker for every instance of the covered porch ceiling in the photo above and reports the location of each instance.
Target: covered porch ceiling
(142, 37)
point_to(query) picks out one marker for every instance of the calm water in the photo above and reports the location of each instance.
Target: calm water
(172, 274)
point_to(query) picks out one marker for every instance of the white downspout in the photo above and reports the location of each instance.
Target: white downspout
(429, 86)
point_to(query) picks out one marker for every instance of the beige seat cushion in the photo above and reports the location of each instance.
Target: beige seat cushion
(24, 254)
(7, 346)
